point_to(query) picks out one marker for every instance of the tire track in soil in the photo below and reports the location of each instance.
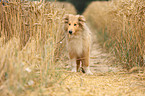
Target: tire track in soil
(100, 61)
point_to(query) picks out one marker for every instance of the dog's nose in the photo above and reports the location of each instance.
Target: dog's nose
(70, 32)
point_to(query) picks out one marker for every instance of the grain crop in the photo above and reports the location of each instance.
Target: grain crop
(121, 29)
(30, 36)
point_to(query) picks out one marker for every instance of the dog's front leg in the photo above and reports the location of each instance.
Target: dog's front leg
(86, 65)
(73, 64)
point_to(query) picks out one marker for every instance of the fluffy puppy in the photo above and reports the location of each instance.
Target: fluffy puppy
(78, 41)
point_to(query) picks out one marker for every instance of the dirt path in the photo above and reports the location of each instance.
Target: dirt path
(100, 61)
(107, 80)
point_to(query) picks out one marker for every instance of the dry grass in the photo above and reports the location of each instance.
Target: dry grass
(120, 27)
(108, 84)
(70, 9)
(30, 34)
(96, 14)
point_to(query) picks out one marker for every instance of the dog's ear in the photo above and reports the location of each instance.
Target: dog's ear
(65, 18)
(81, 20)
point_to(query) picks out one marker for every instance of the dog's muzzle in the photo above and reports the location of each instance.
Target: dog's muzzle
(70, 32)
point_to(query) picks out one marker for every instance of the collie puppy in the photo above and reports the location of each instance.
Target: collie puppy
(78, 41)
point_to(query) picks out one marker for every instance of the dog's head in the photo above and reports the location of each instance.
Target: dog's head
(73, 23)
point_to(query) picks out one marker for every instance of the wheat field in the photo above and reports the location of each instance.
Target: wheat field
(33, 60)
(120, 29)
(30, 34)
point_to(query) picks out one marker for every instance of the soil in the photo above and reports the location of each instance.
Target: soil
(108, 79)
(101, 61)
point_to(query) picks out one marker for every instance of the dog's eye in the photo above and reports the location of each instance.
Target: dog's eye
(75, 24)
(69, 24)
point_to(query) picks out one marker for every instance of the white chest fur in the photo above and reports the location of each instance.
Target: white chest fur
(75, 45)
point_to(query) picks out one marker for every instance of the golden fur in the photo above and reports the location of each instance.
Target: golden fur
(78, 41)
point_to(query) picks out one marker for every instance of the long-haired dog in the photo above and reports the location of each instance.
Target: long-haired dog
(78, 41)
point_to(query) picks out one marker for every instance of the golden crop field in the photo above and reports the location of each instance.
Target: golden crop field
(33, 60)
(30, 34)
(121, 29)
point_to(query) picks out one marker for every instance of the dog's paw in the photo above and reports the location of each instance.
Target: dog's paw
(82, 69)
(74, 70)
(87, 71)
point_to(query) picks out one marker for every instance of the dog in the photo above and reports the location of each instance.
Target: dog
(78, 41)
